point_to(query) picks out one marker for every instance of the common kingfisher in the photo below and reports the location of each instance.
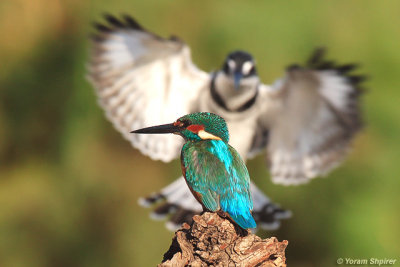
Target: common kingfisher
(214, 171)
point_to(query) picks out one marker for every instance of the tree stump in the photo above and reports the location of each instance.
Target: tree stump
(215, 241)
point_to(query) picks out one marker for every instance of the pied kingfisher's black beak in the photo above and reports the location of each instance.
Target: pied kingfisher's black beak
(237, 76)
(160, 129)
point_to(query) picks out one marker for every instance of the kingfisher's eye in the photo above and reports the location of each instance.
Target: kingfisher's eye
(185, 124)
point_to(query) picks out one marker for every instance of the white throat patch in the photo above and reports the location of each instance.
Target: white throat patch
(206, 135)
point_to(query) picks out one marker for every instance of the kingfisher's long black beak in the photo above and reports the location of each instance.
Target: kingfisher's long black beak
(159, 129)
(237, 76)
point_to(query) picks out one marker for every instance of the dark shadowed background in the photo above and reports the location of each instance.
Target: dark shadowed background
(69, 183)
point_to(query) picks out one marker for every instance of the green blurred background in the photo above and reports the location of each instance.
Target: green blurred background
(69, 183)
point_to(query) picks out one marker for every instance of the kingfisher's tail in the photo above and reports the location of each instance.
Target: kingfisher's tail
(246, 221)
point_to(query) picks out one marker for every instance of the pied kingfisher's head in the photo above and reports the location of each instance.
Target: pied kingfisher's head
(239, 66)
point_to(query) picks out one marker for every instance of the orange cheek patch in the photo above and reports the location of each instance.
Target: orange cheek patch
(195, 128)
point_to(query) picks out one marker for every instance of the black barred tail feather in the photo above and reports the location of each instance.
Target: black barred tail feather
(150, 200)
(174, 203)
(267, 214)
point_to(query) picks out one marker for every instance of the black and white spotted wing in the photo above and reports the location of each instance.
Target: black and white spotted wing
(142, 79)
(312, 115)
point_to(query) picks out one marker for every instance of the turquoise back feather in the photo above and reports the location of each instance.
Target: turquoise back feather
(216, 171)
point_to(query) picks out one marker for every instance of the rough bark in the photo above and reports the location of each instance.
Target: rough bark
(215, 241)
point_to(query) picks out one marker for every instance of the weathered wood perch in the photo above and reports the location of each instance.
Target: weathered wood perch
(214, 241)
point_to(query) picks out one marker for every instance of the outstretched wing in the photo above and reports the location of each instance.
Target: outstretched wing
(141, 80)
(312, 114)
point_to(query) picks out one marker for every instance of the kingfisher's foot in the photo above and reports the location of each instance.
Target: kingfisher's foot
(222, 214)
(240, 231)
